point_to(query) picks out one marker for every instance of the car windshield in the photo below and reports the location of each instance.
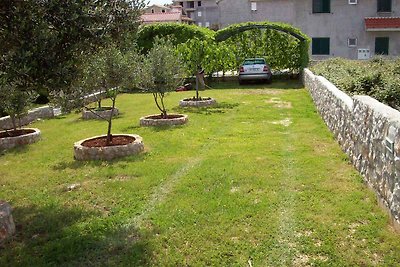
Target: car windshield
(254, 61)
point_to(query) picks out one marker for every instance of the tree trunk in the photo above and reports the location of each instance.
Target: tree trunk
(109, 135)
(164, 110)
(14, 123)
(155, 95)
(197, 86)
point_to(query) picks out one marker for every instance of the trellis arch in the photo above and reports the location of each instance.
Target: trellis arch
(234, 29)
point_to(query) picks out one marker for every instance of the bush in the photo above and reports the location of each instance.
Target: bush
(378, 77)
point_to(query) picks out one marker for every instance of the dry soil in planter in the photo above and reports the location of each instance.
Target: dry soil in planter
(10, 139)
(158, 120)
(95, 148)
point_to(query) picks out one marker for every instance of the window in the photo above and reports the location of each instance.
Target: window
(198, 3)
(190, 4)
(352, 2)
(181, 3)
(199, 14)
(320, 46)
(253, 6)
(352, 42)
(382, 46)
(200, 24)
(152, 10)
(321, 6)
(207, 24)
(384, 5)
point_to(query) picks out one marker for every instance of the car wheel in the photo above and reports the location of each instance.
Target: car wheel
(269, 81)
(241, 82)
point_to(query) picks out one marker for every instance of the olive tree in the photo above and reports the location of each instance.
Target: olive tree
(110, 70)
(43, 42)
(161, 72)
(14, 101)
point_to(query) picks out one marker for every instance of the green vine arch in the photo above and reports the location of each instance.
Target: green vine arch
(304, 40)
(181, 33)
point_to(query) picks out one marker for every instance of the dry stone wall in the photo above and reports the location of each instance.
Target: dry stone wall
(368, 132)
(44, 112)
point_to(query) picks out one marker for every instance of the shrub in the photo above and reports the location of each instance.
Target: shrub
(378, 77)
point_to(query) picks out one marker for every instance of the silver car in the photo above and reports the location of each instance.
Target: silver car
(254, 69)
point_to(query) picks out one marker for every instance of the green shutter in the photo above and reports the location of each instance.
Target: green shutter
(382, 46)
(384, 6)
(326, 6)
(321, 6)
(320, 46)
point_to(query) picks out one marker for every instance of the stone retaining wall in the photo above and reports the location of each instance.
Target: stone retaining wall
(34, 114)
(368, 132)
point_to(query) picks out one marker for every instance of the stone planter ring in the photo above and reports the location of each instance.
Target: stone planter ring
(204, 102)
(24, 136)
(157, 120)
(84, 152)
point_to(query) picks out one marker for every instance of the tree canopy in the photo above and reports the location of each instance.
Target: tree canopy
(42, 42)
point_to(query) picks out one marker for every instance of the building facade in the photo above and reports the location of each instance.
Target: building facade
(355, 29)
(164, 14)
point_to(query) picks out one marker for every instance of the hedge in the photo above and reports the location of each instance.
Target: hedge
(176, 32)
(378, 77)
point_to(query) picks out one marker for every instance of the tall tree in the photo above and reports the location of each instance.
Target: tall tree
(42, 42)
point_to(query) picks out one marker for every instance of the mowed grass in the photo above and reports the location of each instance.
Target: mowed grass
(256, 181)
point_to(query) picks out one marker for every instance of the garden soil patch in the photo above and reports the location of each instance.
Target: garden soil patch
(116, 141)
(159, 117)
(15, 133)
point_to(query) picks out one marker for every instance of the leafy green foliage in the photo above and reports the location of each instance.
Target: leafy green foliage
(378, 78)
(161, 72)
(14, 100)
(107, 72)
(206, 54)
(176, 33)
(43, 42)
(283, 46)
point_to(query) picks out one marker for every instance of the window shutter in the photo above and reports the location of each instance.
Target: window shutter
(382, 45)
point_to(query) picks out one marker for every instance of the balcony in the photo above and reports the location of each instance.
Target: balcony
(382, 24)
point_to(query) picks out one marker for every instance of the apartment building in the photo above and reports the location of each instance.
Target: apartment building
(205, 13)
(164, 14)
(355, 29)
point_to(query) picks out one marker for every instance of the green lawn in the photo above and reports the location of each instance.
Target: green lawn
(256, 181)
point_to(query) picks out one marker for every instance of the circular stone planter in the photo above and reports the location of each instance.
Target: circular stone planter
(156, 120)
(90, 114)
(20, 137)
(203, 102)
(84, 152)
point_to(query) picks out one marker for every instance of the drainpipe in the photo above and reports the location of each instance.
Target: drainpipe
(219, 14)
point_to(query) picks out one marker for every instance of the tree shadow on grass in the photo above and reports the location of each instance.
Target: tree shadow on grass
(15, 151)
(59, 236)
(221, 107)
(75, 164)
